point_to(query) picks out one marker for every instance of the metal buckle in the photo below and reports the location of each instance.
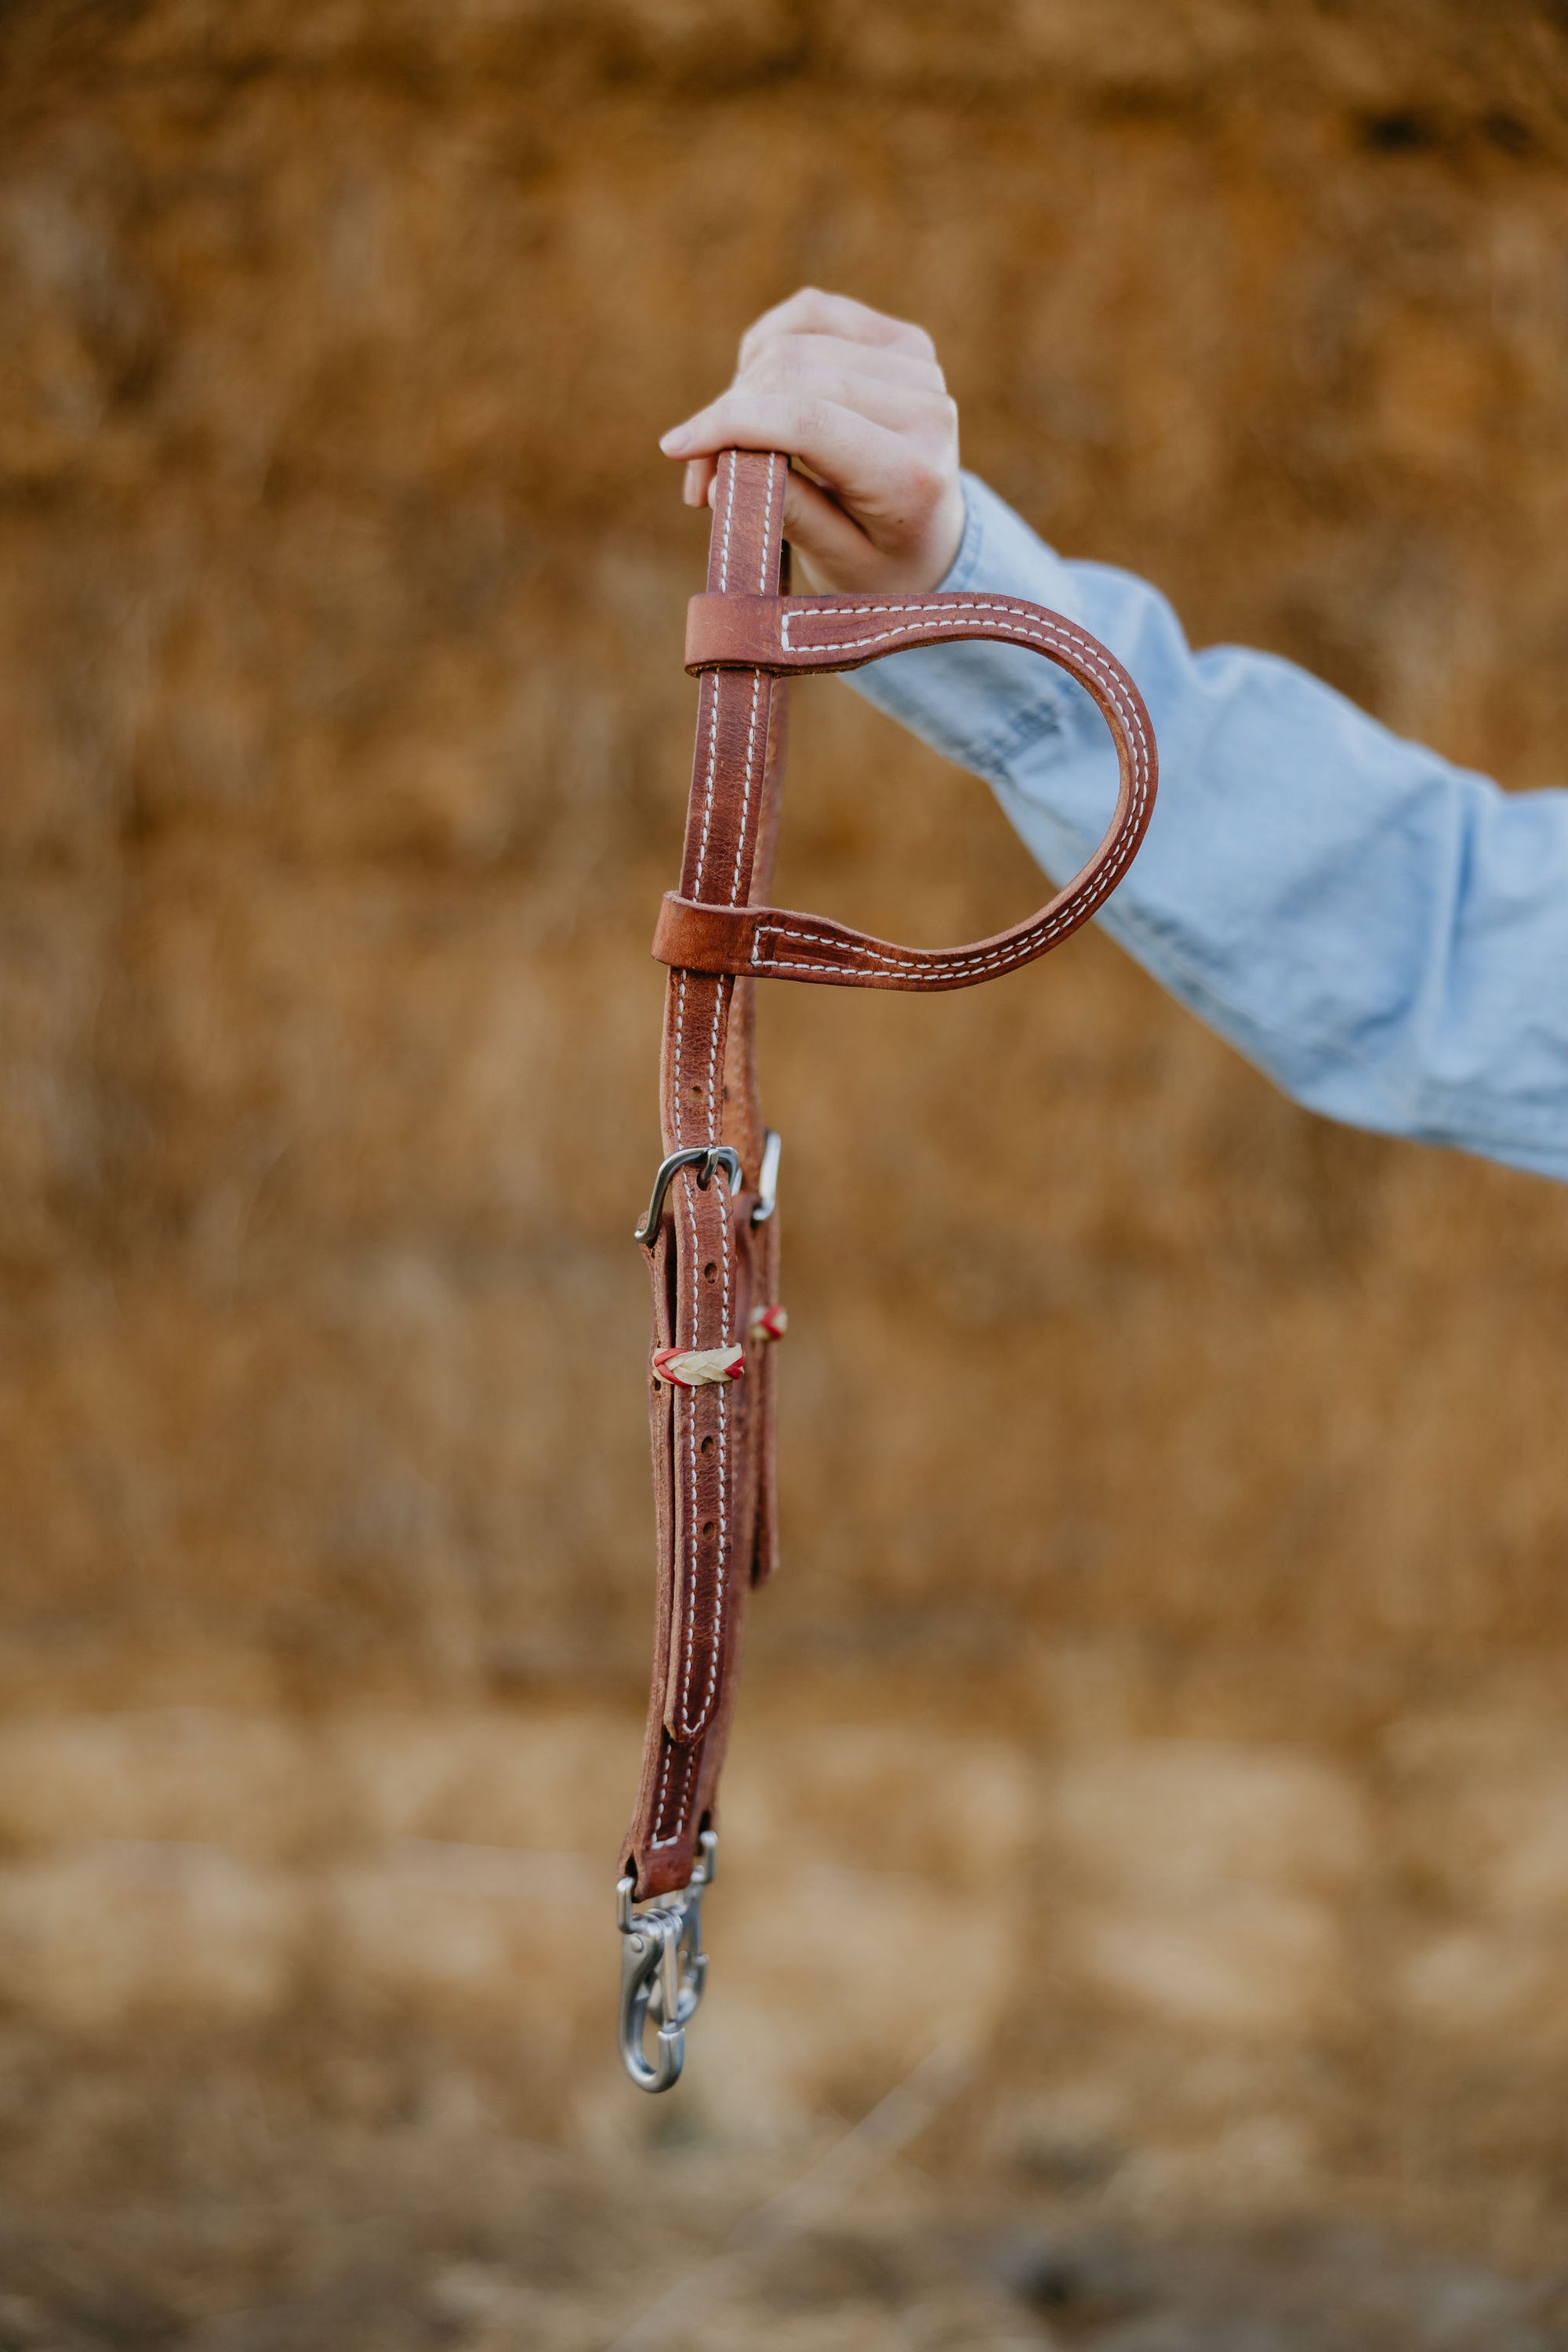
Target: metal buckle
(712, 1156)
(705, 1158)
(768, 1181)
(664, 1969)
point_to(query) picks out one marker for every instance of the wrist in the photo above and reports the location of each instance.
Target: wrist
(947, 537)
(868, 570)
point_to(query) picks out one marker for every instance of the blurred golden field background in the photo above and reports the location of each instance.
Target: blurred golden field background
(1162, 1699)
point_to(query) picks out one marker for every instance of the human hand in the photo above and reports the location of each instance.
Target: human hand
(859, 402)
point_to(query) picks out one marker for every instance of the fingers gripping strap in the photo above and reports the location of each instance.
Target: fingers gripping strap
(787, 634)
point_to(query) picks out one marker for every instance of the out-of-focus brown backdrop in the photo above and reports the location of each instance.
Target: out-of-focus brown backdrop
(1163, 1695)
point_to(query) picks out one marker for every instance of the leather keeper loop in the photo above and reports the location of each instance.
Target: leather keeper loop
(693, 937)
(782, 633)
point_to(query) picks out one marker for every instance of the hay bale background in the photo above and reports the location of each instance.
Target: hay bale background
(1165, 1683)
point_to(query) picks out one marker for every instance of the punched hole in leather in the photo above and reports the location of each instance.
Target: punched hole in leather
(710, 1237)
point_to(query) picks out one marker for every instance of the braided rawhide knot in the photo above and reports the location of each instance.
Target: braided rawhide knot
(698, 1368)
(767, 1323)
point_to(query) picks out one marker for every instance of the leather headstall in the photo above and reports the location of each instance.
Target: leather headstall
(710, 1235)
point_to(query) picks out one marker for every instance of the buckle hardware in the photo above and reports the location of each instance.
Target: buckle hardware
(704, 1158)
(768, 1181)
(664, 1971)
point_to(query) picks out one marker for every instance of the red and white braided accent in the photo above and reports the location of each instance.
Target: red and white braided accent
(698, 1367)
(768, 1323)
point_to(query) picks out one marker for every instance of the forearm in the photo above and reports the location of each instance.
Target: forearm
(1382, 933)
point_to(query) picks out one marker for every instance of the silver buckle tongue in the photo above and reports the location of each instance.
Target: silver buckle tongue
(768, 1177)
(664, 1969)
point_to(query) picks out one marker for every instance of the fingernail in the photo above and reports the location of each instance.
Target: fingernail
(674, 441)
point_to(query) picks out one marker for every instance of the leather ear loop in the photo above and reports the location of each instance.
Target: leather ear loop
(784, 634)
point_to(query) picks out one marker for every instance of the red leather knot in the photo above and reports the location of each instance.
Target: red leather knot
(768, 1323)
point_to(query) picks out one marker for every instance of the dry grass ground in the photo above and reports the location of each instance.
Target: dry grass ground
(440, 2235)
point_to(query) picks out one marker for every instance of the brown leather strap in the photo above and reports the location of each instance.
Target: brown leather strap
(713, 1446)
(711, 1265)
(779, 634)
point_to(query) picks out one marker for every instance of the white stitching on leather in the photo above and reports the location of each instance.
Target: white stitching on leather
(707, 1701)
(687, 1181)
(708, 791)
(679, 1122)
(676, 1126)
(1021, 950)
(720, 1594)
(946, 616)
(746, 787)
(756, 699)
(729, 511)
(684, 1710)
(767, 530)
(679, 1051)
(859, 956)
(670, 1752)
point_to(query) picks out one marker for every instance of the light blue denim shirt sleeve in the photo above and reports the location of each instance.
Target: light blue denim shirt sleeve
(1382, 933)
